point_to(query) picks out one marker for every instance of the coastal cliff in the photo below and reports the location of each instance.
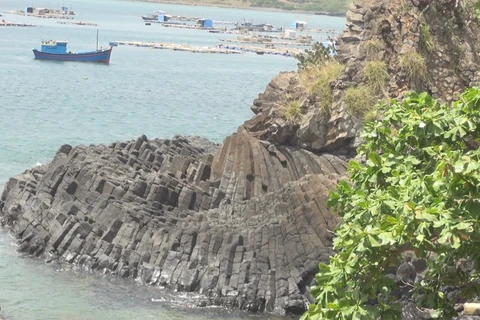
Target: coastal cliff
(244, 223)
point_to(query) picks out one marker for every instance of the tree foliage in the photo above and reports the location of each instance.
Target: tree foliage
(417, 189)
(317, 55)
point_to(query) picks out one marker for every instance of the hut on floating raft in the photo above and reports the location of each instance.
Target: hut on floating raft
(205, 23)
(299, 25)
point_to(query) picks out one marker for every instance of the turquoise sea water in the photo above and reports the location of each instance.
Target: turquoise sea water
(143, 91)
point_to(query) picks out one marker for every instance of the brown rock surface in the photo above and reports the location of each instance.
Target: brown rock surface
(398, 29)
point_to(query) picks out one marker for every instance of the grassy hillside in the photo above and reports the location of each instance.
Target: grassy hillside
(338, 7)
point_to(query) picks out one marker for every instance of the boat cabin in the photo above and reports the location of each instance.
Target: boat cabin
(160, 16)
(52, 46)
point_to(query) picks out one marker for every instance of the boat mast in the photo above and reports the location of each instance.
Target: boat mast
(97, 40)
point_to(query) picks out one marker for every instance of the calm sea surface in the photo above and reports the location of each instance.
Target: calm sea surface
(143, 91)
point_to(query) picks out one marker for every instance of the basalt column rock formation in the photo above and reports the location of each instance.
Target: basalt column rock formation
(245, 227)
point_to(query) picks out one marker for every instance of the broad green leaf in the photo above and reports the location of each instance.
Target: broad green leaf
(374, 158)
(373, 242)
(386, 237)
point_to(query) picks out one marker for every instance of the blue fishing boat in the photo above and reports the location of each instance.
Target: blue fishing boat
(57, 50)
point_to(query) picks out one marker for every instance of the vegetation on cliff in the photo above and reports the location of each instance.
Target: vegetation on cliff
(317, 69)
(417, 191)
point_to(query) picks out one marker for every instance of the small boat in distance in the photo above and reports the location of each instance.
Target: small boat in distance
(57, 50)
(152, 17)
(157, 16)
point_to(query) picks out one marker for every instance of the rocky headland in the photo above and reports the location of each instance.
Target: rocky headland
(244, 223)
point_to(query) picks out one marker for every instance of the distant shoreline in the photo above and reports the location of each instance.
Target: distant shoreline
(183, 2)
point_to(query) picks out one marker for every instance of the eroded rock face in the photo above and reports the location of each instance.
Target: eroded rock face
(444, 34)
(246, 226)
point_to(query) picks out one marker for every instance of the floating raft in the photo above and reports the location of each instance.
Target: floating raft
(175, 47)
(183, 18)
(218, 49)
(189, 26)
(46, 15)
(267, 42)
(11, 24)
(288, 52)
(79, 23)
(224, 22)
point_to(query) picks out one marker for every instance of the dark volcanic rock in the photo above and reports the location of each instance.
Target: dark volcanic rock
(246, 226)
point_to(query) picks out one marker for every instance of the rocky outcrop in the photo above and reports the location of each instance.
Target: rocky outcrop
(246, 226)
(444, 33)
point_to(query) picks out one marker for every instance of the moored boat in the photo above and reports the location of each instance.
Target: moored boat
(157, 16)
(152, 17)
(57, 50)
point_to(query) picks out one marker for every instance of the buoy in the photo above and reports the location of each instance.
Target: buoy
(85, 78)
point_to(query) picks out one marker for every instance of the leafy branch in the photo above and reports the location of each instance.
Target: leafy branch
(318, 54)
(418, 190)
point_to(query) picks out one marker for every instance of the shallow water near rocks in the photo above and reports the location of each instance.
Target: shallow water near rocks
(31, 289)
(143, 91)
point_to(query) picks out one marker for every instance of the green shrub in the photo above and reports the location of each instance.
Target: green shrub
(417, 191)
(371, 115)
(360, 101)
(426, 42)
(414, 66)
(293, 111)
(320, 84)
(375, 73)
(372, 47)
(317, 55)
